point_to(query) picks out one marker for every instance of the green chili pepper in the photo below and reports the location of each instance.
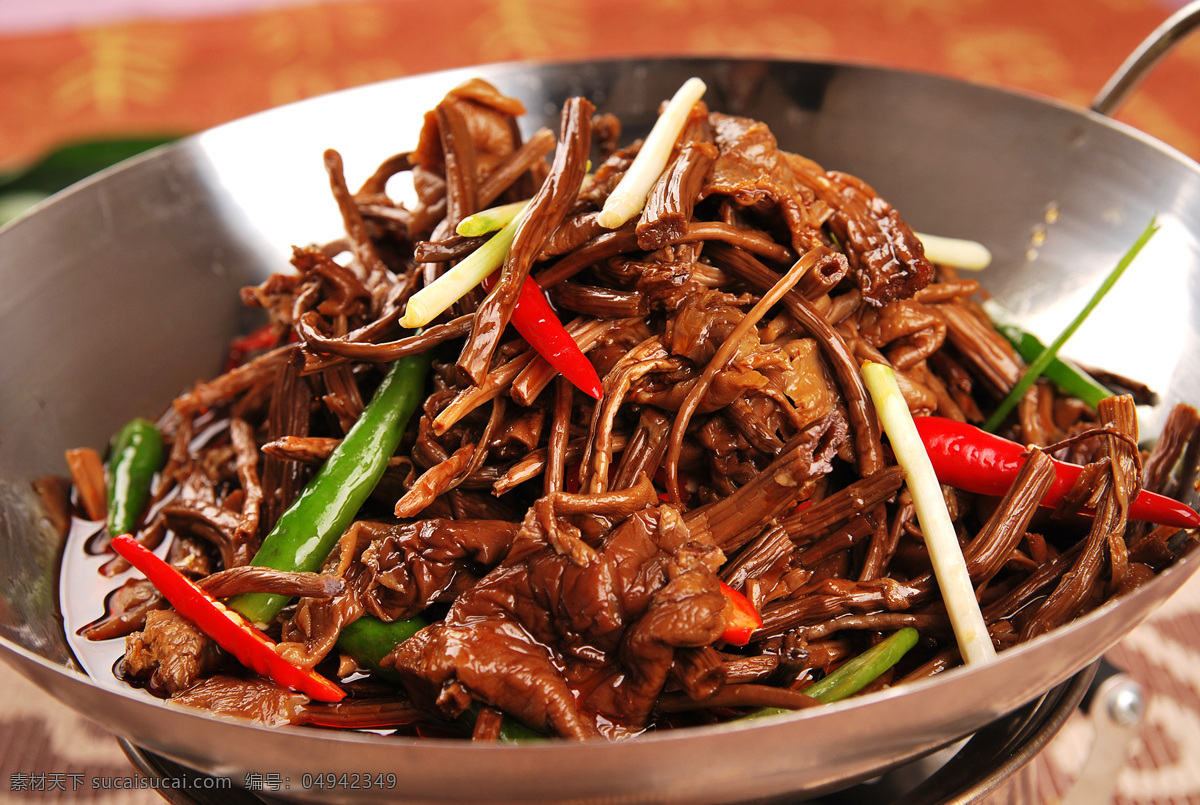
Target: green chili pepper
(136, 454)
(1038, 365)
(855, 674)
(511, 730)
(1063, 373)
(305, 534)
(1070, 378)
(368, 640)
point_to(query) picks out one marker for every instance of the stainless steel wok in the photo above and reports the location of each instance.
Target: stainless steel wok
(145, 261)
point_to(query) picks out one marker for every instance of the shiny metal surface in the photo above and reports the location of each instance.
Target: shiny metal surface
(963, 773)
(123, 290)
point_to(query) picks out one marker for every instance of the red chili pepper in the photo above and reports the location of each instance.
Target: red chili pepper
(536, 322)
(968, 458)
(264, 337)
(660, 482)
(230, 630)
(741, 618)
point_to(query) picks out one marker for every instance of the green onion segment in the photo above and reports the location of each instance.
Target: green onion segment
(856, 673)
(970, 255)
(429, 302)
(1069, 377)
(629, 196)
(1038, 366)
(490, 220)
(949, 566)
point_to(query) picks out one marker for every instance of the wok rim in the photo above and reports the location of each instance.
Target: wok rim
(1185, 566)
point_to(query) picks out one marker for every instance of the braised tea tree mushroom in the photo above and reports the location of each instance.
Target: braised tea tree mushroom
(665, 499)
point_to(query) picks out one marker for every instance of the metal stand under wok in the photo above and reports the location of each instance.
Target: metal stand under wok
(967, 772)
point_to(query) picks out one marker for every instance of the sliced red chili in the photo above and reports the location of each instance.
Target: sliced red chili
(227, 628)
(741, 618)
(537, 323)
(265, 337)
(974, 460)
(660, 482)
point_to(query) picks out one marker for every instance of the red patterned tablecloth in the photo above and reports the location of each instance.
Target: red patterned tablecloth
(182, 75)
(173, 74)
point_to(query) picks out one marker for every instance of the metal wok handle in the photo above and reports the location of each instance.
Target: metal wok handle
(1147, 55)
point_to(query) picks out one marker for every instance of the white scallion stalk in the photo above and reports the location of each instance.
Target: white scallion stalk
(949, 566)
(969, 255)
(426, 304)
(490, 220)
(629, 196)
